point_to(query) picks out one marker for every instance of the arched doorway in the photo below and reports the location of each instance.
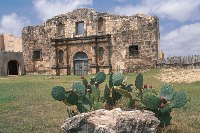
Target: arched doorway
(80, 63)
(13, 67)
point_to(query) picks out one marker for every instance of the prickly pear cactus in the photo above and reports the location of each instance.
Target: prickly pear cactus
(58, 93)
(85, 82)
(95, 93)
(92, 80)
(179, 100)
(79, 88)
(129, 87)
(151, 101)
(83, 105)
(97, 105)
(149, 91)
(115, 96)
(124, 93)
(100, 77)
(139, 81)
(110, 81)
(72, 98)
(167, 91)
(165, 119)
(117, 78)
(106, 92)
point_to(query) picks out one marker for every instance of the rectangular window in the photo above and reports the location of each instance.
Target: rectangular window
(37, 54)
(133, 50)
(80, 28)
(60, 29)
(101, 53)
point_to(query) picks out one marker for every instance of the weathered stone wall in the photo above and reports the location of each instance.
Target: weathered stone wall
(125, 31)
(5, 57)
(9, 42)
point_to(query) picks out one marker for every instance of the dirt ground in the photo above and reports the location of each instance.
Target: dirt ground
(170, 75)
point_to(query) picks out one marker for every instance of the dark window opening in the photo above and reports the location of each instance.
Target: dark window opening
(37, 54)
(100, 24)
(101, 53)
(80, 28)
(133, 50)
(60, 29)
(60, 56)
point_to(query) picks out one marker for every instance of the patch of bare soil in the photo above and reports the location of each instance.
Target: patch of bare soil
(170, 75)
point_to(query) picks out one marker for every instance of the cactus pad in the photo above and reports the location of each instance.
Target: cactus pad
(72, 98)
(167, 91)
(179, 100)
(100, 77)
(117, 78)
(106, 92)
(110, 81)
(83, 105)
(79, 88)
(95, 93)
(58, 93)
(151, 101)
(85, 82)
(115, 95)
(129, 87)
(139, 81)
(124, 93)
(92, 80)
(97, 105)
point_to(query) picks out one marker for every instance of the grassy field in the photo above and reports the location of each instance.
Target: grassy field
(27, 106)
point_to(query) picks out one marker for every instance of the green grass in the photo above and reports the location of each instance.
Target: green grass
(26, 104)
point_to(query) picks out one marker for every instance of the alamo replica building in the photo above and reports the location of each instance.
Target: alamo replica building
(84, 42)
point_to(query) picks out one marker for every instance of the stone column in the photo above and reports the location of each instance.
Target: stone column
(65, 57)
(107, 55)
(55, 58)
(93, 51)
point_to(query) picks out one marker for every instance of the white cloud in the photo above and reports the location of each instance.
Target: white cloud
(182, 41)
(179, 10)
(13, 24)
(48, 8)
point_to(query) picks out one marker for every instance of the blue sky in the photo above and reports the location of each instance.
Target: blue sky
(179, 19)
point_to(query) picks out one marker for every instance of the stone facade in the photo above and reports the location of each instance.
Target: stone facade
(11, 43)
(11, 63)
(85, 41)
(11, 57)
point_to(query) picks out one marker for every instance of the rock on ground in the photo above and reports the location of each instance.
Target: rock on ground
(112, 121)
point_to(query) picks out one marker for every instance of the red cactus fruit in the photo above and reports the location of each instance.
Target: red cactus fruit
(145, 86)
(150, 86)
(164, 101)
(162, 98)
(82, 77)
(162, 105)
